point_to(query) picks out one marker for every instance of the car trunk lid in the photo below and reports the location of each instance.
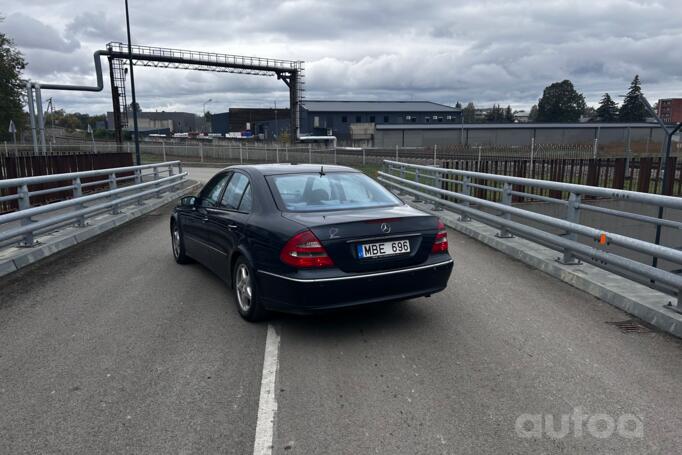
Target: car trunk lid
(343, 232)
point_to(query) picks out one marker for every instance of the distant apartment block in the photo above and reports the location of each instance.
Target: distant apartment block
(670, 110)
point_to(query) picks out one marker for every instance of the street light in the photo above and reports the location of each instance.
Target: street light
(205, 103)
(132, 87)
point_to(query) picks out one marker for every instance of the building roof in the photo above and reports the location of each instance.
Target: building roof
(375, 106)
(483, 126)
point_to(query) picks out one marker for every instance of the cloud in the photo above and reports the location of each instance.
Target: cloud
(471, 50)
(96, 26)
(30, 33)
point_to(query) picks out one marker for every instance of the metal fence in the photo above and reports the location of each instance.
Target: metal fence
(243, 151)
(429, 183)
(117, 187)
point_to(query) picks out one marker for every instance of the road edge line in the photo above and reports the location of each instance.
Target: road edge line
(267, 403)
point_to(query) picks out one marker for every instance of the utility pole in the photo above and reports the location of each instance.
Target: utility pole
(13, 131)
(204, 109)
(136, 132)
(92, 136)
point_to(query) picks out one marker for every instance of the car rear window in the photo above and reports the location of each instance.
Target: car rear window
(311, 192)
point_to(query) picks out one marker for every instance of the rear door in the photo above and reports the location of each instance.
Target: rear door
(227, 221)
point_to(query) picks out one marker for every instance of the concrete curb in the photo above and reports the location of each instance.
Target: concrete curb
(634, 298)
(15, 258)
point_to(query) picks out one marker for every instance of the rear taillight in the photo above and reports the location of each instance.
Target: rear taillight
(304, 250)
(440, 245)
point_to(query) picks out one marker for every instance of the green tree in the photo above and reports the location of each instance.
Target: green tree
(633, 110)
(560, 102)
(495, 115)
(508, 115)
(458, 105)
(533, 114)
(469, 113)
(12, 64)
(607, 110)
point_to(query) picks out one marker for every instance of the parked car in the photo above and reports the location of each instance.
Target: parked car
(303, 238)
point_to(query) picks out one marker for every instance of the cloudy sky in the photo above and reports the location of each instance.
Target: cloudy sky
(482, 51)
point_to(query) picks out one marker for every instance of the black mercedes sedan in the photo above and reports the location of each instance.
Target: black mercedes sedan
(301, 238)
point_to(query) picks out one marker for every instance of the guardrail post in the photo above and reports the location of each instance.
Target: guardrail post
(416, 179)
(24, 201)
(112, 186)
(170, 174)
(363, 156)
(277, 153)
(310, 153)
(573, 216)
(436, 179)
(506, 200)
(201, 152)
(157, 177)
(466, 190)
(677, 308)
(241, 155)
(163, 148)
(402, 176)
(78, 192)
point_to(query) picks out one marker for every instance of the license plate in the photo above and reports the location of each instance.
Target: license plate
(374, 250)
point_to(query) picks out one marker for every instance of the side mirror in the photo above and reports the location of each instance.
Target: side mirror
(189, 201)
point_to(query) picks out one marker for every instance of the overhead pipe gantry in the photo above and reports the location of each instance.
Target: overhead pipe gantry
(289, 71)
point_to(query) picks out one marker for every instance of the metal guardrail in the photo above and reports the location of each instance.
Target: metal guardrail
(141, 182)
(410, 178)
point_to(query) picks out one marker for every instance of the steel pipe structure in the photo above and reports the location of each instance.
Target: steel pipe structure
(289, 71)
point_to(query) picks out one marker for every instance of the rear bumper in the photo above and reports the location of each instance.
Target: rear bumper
(307, 295)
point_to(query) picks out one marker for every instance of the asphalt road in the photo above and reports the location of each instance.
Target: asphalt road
(112, 347)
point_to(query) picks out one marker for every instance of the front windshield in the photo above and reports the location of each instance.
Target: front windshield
(314, 192)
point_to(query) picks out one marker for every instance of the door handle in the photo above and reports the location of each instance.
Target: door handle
(232, 226)
(205, 219)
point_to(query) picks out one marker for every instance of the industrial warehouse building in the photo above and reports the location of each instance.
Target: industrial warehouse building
(515, 134)
(336, 118)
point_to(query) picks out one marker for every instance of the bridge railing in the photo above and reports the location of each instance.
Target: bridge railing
(79, 196)
(456, 190)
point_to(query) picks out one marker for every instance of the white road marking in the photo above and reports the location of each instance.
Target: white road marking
(267, 403)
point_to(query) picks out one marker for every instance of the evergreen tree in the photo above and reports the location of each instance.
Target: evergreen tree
(533, 114)
(12, 64)
(633, 110)
(607, 110)
(496, 114)
(508, 115)
(560, 102)
(469, 113)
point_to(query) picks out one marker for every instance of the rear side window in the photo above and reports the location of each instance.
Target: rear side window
(246, 203)
(332, 191)
(234, 191)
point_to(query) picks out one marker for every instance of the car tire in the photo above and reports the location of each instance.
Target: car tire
(178, 245)
(246, 291)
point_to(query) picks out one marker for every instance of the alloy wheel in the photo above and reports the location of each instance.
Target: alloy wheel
(244, 289)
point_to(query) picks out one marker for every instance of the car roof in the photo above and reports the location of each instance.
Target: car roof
(288, 168)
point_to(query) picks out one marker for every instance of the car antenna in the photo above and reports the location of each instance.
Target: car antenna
(321, 170)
